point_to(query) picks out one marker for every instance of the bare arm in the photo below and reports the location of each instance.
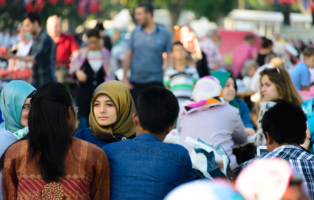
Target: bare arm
(305, 88)
(126, 66)
(23, 58)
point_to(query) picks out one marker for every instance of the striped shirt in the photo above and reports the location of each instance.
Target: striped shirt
(181, 83)
(301, 161)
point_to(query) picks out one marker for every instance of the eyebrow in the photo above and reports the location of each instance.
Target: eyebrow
(110, 101)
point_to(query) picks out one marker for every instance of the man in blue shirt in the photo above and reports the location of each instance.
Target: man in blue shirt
(144, 52)
(300, 74)
(145, 167)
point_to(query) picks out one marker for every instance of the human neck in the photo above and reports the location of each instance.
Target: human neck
(179, 65)
(150, 26)
(38, 31)
(56, 38)
(161, 137)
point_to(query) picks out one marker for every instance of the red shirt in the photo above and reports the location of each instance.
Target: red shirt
(65, 46)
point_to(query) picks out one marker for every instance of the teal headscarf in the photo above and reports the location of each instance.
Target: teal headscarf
(13, 96)
(223, 77)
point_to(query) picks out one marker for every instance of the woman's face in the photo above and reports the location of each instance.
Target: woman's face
(229, 91)
(105, 111)
(252, 71)
(269, 89)
(25, 110)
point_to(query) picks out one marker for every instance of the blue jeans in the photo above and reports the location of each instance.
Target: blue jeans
(83, 122)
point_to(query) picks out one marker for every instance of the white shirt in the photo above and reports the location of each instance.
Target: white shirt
(95, 60)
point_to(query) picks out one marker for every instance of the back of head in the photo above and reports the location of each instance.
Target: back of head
(286, 89)
(266, 43)
(148, 7)
(49, 131)
(157, 109)
(249, 38)
(285, 122)
(33, 17)
(308, 52)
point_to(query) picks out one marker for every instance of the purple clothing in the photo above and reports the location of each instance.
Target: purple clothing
(218, 125)
(82, 57)
(241, 54)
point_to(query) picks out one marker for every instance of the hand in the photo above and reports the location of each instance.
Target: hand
(81, 76)
(250, 131)
(6, 56)
(127, 83)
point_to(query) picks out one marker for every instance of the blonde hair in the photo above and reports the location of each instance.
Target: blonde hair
(286, 89)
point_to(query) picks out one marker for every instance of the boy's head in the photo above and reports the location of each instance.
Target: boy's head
(249, 39)
(309, 57)
(157, 111)
(285, 123)
(93, 38)
(178, 51)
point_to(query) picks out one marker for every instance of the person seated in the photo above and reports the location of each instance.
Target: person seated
(210, 117)
(145, 167)
(248, 71)
(275, 83)
(284, 126)
(180, 78)
(300, 74)
(112, 109)
(49, 163)
(229, 89)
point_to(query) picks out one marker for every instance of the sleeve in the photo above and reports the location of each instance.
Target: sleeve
(130, 43)
(74, 46)
(43, 48)
(254, 52)
(166, 78)
(245, 114)
(100, 185)
(239, 135)
(188, 174)
(305, 77)
(76, 65)
(168, 42)
(9, 178)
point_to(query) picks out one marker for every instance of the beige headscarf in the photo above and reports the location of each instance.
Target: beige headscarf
(124, 126)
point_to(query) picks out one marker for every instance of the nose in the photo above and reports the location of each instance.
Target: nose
(263, 89)
(102, 109)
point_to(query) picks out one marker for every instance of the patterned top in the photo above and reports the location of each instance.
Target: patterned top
(212, 52)
(44, 52)
(86, 167)
(301, 161)
(181, 83)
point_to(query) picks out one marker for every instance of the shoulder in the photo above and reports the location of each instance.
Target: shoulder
(191, 69)
(15, 150)
(90, 148)
(241, 102)
(83, 133)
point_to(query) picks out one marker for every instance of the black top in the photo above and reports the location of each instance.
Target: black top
(202, 67)
(107, 42)
(86, 90)
(261, 58)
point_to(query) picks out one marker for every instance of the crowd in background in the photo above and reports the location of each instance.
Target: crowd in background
(92, 118)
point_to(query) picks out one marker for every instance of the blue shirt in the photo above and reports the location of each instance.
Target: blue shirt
(146, 168)
(245, 114)
(87, 135)
(147, 60)
(300, 75)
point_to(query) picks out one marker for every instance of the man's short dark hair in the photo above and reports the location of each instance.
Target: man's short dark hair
(93, 33)
(285, 123)
(157, 109)
(33, 17)
(99, 26)
(148, 7)
(249, 37)
(176, 43)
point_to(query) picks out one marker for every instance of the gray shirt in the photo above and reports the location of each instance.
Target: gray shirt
(147, 61)
(6, 139)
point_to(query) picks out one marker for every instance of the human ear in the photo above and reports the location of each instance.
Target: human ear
(136, 119)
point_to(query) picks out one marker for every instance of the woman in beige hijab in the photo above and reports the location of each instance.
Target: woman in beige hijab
(110, 118)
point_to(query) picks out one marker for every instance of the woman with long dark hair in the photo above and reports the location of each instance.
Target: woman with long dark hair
(49, 163)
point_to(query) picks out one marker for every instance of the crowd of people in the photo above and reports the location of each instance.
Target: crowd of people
(74, 128)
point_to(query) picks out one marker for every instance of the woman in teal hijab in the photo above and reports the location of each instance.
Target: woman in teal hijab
(15, 104)
(229, 90)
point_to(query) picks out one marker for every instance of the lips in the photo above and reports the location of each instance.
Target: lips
(103, 117)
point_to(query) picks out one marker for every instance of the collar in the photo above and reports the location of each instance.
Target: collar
(61, 38)
(146, 136)
(288, 146)
(41, 32)
(156, 30)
